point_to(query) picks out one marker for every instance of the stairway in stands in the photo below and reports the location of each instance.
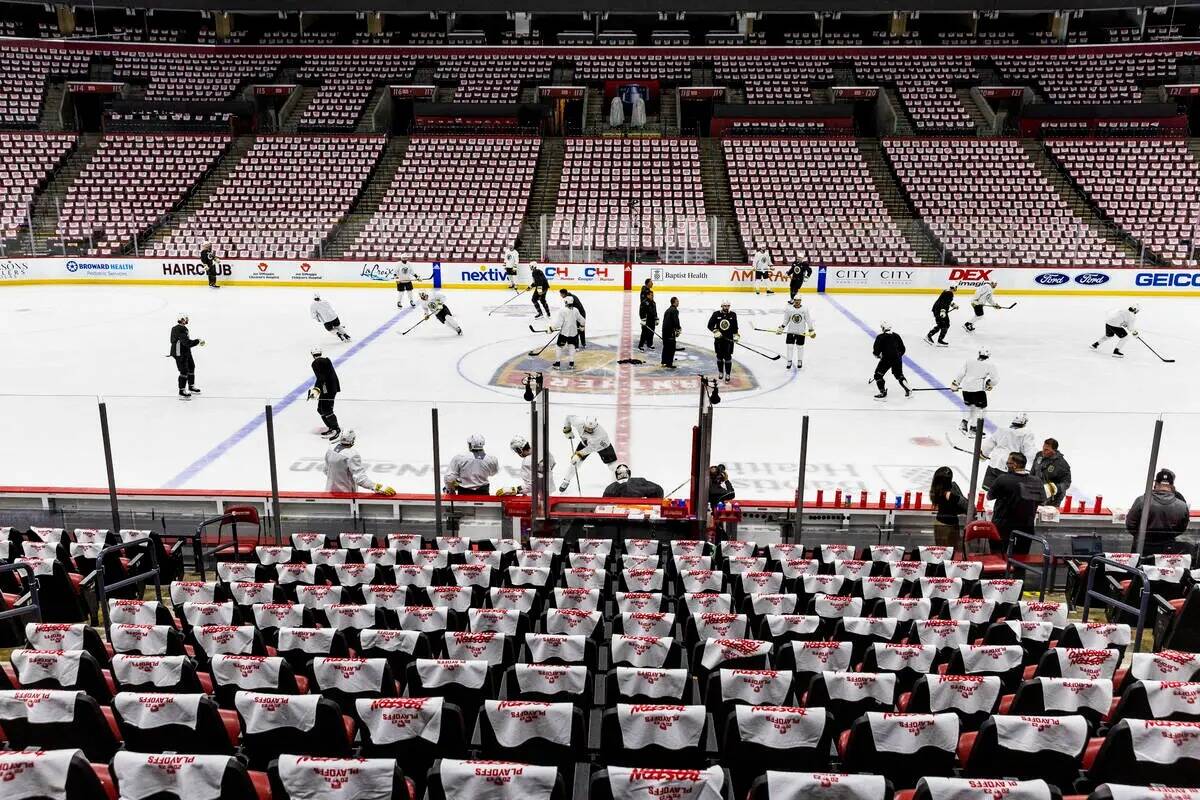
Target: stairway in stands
(198, 197)
(366, 121)
(547, 177)
(374, 189)
(978, 120)
(1091, 214)
(47, 202)
(718, 202)
(904, 121)
(291, 123)
(898, 203)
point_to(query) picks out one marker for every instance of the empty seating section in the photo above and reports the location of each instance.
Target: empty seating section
(813, 199)
(643, 667)
(346, 82)
(453, 198)
(1149, 187)
(926, 86)
(1090, 78)
(641, 193)
(988, 203)
(777, 80)
(130, 183)
(174, 75)
(492, 79)
(26, 71)
(281, 201)
(599, 68)
(26, 160)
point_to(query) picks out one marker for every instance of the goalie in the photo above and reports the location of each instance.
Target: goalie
(592, 439)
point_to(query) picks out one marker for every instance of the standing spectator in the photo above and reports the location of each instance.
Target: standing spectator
(949, 504)
(670, 332)
(1018, 495)
(1167, 517)
(1050, 466)
(648, 314)
(720, 490)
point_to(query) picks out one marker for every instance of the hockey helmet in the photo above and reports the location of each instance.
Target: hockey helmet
(181, 318)
(984, 353)
(1135, 308)
(724, 304)
(347, 437)
(315, 352)
(316, 297)
(475, 442)
(1020, 420)
(622, 472)
(424, 295)
(885, 326)
(518, 444)
(590, 424)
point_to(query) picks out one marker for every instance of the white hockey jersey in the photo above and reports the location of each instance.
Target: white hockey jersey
(405, 273)
(435, 303)
(511, 258)
(592, 442)
(527, 471)
(1122, 318)
(344, 470)
(976, 375)
(568, 321)
(322, 311)
(797, 320)
(762, 260)
(998, 445)
(470, 470)
(984, 295)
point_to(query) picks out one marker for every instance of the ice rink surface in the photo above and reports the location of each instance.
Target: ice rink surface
(65, 346)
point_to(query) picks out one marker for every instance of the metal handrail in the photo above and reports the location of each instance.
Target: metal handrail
(1143, 609)
(103, 588)
(1047, 559)
(34, 608)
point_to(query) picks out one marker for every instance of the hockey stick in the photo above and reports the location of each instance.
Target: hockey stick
(934, 389)
(1006, 308)
(538, 352)
(950, 442)
(677, 488)
(1152, 350)
(506, 302)
(769, 330)
(539, 330)
(765, 354)
(418, 322)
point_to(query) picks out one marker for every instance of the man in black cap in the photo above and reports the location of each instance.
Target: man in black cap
(1017, 495)
(1167, 517)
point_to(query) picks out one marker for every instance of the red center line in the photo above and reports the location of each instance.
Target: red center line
(624, 379)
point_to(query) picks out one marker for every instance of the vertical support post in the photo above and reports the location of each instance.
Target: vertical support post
(29, 222)
(437, 476)
(108, 465)
(270, 415)
(542, 238)
(800, 478)
(548, 481)
(535, 454)
(975, 450)
(1154, 445)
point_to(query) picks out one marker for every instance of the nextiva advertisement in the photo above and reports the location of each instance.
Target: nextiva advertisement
(582, 276)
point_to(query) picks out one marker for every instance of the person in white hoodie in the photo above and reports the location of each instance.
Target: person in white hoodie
(568, 323)
(1016, 438)
(322, 311)
(761, 264)
(1119, 324)
(977, 377)
(984, 296)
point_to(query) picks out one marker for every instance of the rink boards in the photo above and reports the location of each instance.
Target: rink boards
(613, 277)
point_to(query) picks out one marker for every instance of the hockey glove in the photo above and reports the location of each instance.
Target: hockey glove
(567, 430)
(987, 387)
(313, 393)
(202, 343)
(954, 306)
(779, 329)
(1133, 333)
(954, 386)
(716, 334)
(385, 490)
(812, 334)
(737, 337)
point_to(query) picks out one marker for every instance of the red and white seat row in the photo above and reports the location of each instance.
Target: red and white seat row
(778, 80)
(346, 84)
(25, 71)
(1089, 78)
(26, 161)
(192, 76)
(811, 199)
(925, 85)
(492, 79)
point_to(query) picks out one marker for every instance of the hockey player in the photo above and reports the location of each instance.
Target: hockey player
(648, 317)
(723, 325)
(797, 274)
(977, 377)
(984, 296)
(671, 331)
(520, 446)
(511, 260)
(208, 257)
(181, 351)
(568, 323)
(889, 349)
(762, 270)
(1120, 323)
(325, 388)
(1016, 438)
(541, 288)
(941, 316)
(405, 275)
(574, 298)
(469, 472)
(322, 311)
(344, 471)
(797, 324)
(592, 439)
(435, 306)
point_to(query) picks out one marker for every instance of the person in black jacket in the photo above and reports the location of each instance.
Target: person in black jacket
(889, 349)
(181, 351)
(209, 259)
(648, 286)
(1017, 495)
(325, 389)
(541, 288)
(574, 298)
(949, 505)
(626, 485)
(720, 489)
(670, 332)
(1167, 517)
(941, 316)
(797, 274)
(648, 314)
(723, 325)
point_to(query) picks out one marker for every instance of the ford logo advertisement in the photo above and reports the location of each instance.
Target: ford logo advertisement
(1052, 279)
(1091, 279)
